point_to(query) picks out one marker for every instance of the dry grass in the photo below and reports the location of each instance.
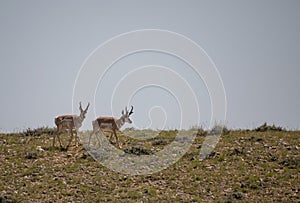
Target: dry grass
(245, 166)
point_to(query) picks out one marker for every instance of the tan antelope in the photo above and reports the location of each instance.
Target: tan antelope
(71, 123)
(111, 124)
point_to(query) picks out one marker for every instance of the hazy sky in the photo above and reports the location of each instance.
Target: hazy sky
(254, 44)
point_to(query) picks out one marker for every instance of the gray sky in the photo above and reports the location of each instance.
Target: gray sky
(254, 44)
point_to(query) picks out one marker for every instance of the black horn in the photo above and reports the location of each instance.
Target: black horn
(131, 111)
(87, 107)
(80, 108)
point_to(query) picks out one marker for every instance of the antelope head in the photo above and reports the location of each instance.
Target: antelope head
(83, 112)
(125, 116)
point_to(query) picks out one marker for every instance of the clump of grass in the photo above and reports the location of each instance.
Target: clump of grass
(219, 129)
(168, 133)
(150, 191)
(237, 151)
(134, 194)
(159, 142)
(291, 162)
(265, 127)
(38, 131)
(129, 129)
(235, 196)
(199, 130)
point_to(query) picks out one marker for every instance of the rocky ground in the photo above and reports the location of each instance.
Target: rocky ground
(262, 165)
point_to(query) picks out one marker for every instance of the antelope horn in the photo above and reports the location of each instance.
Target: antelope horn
(87, 107)
(131, 111)
(80, 108)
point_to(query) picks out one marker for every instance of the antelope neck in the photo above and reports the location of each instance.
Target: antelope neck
(120, 122)
(78, 121)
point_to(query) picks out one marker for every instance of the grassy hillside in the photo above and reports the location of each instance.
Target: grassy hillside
(251, 166)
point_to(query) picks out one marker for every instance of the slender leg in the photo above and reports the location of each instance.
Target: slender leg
(76, 139)
(98, 138)
(111, 135)
(71, 135)
(54, 136)
(90, 138)
(59, 140)
(95, 132)
(117, 140)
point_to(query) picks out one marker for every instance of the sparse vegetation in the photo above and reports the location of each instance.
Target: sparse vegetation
(38, 131)
(220, 129)
(265, 127)
(246, 166)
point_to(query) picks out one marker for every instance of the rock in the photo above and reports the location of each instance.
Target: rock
(292, 163)
(235, 196)
(138, 151)
(159, 142)
(238, 151)
(39, 148)
(6, 199)
(256, 139)
(31, 155)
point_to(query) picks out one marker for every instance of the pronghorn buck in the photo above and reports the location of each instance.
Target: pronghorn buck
(71, 123)
(111, 124)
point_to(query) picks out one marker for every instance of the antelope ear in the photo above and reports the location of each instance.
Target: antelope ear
(122, 112)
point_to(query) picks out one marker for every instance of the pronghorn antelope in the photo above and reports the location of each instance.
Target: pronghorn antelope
(71, 123)
(111, 124)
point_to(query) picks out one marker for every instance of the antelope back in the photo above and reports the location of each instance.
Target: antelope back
(65, 122)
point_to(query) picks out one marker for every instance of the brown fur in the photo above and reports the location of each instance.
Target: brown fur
(71, 123)
(115, 124)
